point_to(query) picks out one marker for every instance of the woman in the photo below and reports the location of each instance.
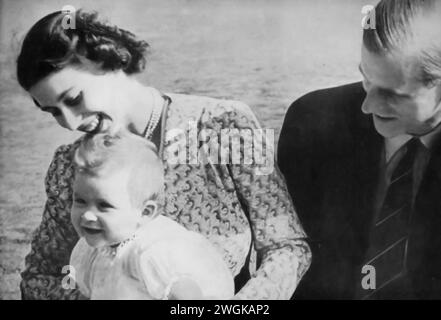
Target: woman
(83, 78)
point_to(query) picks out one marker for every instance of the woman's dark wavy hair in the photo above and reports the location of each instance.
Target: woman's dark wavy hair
(49, 46)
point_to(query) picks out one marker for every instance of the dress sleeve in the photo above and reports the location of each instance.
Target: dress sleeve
(47, 263)
(283, 255)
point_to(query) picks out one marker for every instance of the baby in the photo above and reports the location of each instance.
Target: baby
(127, 250)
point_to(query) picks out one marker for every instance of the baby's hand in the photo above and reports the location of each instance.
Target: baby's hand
(185, 289)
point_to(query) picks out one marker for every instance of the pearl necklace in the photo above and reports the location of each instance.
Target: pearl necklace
(113, 250)
(155, 115)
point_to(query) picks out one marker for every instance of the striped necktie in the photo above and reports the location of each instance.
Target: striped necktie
(387, 250)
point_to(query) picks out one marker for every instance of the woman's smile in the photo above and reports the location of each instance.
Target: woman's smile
(94, 126)
(91, 126)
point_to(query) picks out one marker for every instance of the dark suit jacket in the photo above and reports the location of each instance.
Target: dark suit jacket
(329, 152)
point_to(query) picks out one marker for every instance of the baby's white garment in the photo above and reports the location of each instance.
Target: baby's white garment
(161, 253)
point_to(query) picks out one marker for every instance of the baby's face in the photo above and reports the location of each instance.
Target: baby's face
(102, 211)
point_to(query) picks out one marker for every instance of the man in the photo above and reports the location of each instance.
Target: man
(363, 165)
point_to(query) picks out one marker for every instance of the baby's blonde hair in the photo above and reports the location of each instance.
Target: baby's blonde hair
(103, 155)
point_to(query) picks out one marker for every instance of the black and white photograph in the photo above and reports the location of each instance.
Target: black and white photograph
(237, 151)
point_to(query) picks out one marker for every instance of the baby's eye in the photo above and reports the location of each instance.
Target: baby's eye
(105, 205)
(52, 110)
(72, 102)
(79, 201)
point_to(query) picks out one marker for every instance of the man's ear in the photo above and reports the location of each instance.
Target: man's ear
(150, 209)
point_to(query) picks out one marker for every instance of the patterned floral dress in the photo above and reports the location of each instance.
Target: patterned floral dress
(242, 211)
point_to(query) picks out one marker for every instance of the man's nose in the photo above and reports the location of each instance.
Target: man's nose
(370, 102)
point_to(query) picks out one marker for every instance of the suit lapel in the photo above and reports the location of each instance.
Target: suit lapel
(435, 162)
(429, 194)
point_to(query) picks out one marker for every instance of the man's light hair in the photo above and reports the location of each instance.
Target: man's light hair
(412, 27)
(102, 155)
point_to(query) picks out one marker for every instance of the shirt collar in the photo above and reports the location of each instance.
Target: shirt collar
(392, 145)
